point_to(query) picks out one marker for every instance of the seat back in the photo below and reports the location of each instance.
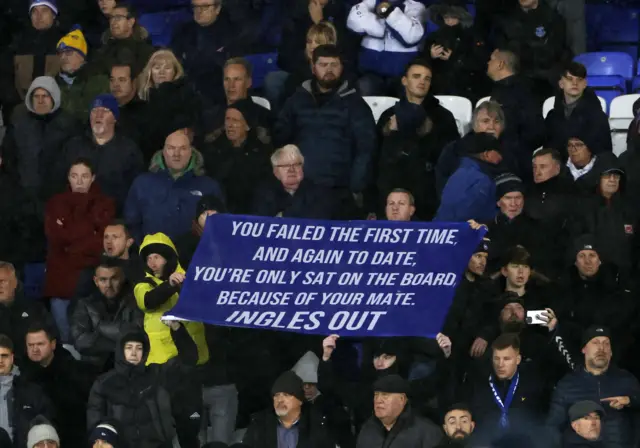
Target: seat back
(261, 64)
(620, 117)
(604, 63)
(482, 100)
(461, 109)
(160, 25)
(379, 104)
(261, 102)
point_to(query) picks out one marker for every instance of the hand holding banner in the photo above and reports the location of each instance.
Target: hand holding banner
(360, 278)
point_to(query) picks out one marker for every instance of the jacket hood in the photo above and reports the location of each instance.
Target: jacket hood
(132, 336)
(161, 244)
(343, 90)
(307, 368)
(196, 164)
(436, 13)
(47, 83)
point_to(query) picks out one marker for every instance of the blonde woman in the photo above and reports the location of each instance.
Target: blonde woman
(163, 86)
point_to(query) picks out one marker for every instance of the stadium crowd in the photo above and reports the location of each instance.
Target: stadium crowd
(117, 152)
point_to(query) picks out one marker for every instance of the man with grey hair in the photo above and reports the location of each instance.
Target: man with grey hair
(525, 131)
(289, 194)
(17, 313)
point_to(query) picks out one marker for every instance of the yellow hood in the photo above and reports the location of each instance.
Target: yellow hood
(162, 240)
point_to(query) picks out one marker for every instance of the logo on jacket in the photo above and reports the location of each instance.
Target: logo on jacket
(628, 229)
(194, 416)
(24, 314)
(196, 193)
(540, 31)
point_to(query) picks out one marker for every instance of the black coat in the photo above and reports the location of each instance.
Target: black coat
(116, 163)
(408, 159)
(27, 401)
(240, 171)
(409, 431)
(587, 119)
(309, 201)
(66, 382)
(140, 397)
(312, 432)
(132, 120)
(97, 324)
(137, 49)
(506, 233)
(617, 426)
(573, 440)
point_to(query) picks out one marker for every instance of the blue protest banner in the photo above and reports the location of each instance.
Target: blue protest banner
(356, 278)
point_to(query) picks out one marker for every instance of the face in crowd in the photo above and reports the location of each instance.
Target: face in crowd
(40, 348)
(458, 424)
(80, 178)
(597, 353)
(109, 281)
(506, 362)
(237, 83)
(511, 204)
(478, 263)
(588, 263)
(286, 405)
(399, 206)
(133, 352)
(544, 168)
(588, 427)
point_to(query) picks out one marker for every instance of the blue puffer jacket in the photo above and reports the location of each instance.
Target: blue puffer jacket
(618, 426)
(470, 193)
(337, 137)
(158, 203)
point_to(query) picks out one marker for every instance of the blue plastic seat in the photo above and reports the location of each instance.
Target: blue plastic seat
(33, 280)
(608, 87)
(607, 64)
(160, 25)
(262, 64)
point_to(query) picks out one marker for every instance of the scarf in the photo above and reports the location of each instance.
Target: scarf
(504, 406)
(578, 172)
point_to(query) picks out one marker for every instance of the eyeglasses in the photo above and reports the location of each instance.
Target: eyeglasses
(202, 8)
(290, 165)
(576, 145)
(118, 17)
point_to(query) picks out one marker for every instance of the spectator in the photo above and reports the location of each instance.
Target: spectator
(289, 421)
(612, 220)
(512, 227)
(36, 136)
(74, 221)
(332, 126)
(63, 379)
(158, 293)
(42, 434)
(539, 33)
(400, 205)
(457, 53)
(237, 82)
(16, 312)
(32, 53)
(105, 435)
(394, 419)
(123, 87)
(99, 319)
(577, 111)
(551, 203)
(392, 33)
(629, 160)
(99, 25)
(525, 125)
(238, 159)
(168, 95)
(116, 159)
(458, 426)
(27, 400)
(584, 163)
(488, 118)
(125, 40)
(165, 198)
(586, 422)
(186, 244)
(470, 192)
(512, 397)
(289, 194)
(78, 82)
(518, 275)
(413, 133)
(203, 45)
(114, 394)
(601, 382)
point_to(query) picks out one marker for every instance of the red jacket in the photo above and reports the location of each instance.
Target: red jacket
(76, 243)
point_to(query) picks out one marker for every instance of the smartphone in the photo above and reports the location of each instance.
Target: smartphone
(536, 317)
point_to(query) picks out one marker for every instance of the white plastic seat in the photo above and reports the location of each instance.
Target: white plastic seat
(551, 101)
(461, 109)
(379, 104)
(482, 100)
(620, 117)
(261, 102)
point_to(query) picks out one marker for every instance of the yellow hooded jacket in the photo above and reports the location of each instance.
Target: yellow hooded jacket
(162, 346)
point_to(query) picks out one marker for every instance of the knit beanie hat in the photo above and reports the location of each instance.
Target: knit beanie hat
(107, 101)
(289, 383)
(51, 4)
(74, 41)
(508, 183)
(42, 432)
(246, 107)
(106, 433)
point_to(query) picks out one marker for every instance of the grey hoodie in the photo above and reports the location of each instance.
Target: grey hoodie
(47, 83)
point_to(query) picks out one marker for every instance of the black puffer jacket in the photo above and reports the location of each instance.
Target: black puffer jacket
(617, 426)
(587, 118)
(409, 431)
(138, 396)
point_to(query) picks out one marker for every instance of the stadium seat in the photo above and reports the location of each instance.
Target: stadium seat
(461, 109)
(607, 64)
(261, 101)
(607, 87)
(160, 25)
(620, 117)
(33, 280)
(379, 104)
(482, 100)
(551, 101)
(262, 64)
